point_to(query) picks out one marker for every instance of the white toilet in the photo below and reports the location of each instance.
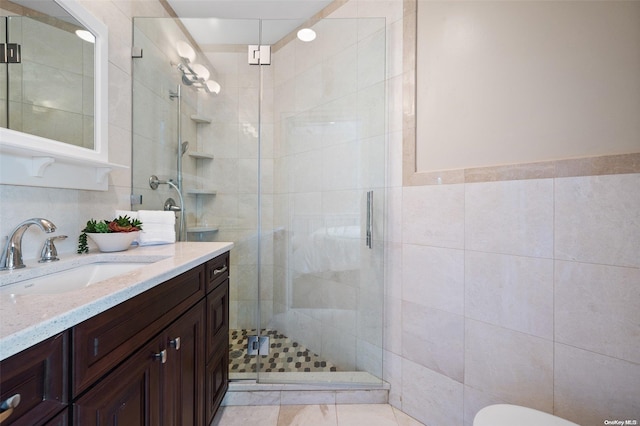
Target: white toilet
(515, 415)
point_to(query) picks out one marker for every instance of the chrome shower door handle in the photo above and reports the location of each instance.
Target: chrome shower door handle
(369, 229)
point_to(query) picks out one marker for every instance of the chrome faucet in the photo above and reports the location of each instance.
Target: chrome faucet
(12, 253)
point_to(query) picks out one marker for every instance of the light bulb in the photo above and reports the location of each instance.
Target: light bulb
(213, 86)
(185, 51)
(201, 71)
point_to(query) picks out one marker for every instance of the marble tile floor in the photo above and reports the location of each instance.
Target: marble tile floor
(313, 415)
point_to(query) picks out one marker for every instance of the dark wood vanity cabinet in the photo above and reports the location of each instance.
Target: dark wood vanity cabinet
(161, 384)
(39, 375)
(105, 340)
(176, 331)
(160, 358)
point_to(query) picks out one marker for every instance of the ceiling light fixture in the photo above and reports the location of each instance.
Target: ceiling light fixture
(306, 35)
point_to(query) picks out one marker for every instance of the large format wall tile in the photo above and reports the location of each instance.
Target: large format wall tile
(433, 215)
(598, 219)
(510, 217)
(433, 339)
(434, 277)
(592, 388)
(510, 365)
(430, 397)
(597, 307)
(510, 291)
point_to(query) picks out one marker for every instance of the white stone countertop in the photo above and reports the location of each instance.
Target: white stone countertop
(31, 318)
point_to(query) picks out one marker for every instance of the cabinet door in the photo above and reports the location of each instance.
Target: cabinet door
(217, 370)
(130, 395)
(218, 319)
(183, 373)
(39, 376)
(217, 382)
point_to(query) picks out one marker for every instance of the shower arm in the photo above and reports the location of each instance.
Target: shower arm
(154, 182)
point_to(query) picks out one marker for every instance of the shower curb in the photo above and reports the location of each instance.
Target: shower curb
(252, 393)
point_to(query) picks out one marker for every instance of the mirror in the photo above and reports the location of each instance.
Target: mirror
(53, 81)
(57, 94)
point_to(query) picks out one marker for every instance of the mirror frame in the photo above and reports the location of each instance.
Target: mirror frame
(24, 144)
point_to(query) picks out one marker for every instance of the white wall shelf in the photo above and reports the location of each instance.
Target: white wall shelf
(201, 191)
(53, 170)
(199, 229)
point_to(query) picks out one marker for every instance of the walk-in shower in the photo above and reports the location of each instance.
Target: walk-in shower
(282, 162)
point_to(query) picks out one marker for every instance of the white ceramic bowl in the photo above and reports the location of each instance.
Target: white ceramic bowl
(113, 241)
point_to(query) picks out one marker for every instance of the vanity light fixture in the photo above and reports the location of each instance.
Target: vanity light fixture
(306, 35)
(185, 51)
(193, 74)
(86, 36)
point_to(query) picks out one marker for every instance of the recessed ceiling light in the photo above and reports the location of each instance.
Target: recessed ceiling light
(306, 34)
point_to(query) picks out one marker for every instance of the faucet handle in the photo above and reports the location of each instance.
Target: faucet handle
(49, 252)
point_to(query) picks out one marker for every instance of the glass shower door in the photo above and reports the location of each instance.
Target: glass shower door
(322, 190)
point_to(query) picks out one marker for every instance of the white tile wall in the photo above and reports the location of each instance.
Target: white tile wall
(597, 219)
(514, 292)
(597, 308)
(434, 216)
(592, 388)
(514, 366)
(551, 314)
(511, 217)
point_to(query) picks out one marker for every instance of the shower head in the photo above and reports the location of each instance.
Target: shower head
(184, 147)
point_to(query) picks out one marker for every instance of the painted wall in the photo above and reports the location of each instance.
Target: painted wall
(519, 82)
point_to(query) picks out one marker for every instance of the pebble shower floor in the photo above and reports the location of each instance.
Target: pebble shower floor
(285, 355)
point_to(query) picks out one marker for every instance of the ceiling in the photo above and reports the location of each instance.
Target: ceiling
(237, 19)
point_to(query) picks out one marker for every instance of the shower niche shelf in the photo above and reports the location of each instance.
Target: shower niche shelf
(201, 229)
(199, 119)
(201, 155)
(201, 191)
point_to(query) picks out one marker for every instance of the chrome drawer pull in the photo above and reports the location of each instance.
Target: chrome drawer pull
(175, 343)
(162, 356)
(8, 405)
(220, 271)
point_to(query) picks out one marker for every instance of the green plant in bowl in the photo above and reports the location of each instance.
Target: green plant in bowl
(117, 225)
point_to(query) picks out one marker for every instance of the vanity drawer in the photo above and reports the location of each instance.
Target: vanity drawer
(39, 376)
(104, 341)
(217, 271)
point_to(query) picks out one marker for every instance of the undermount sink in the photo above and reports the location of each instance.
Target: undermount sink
(71, 279)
